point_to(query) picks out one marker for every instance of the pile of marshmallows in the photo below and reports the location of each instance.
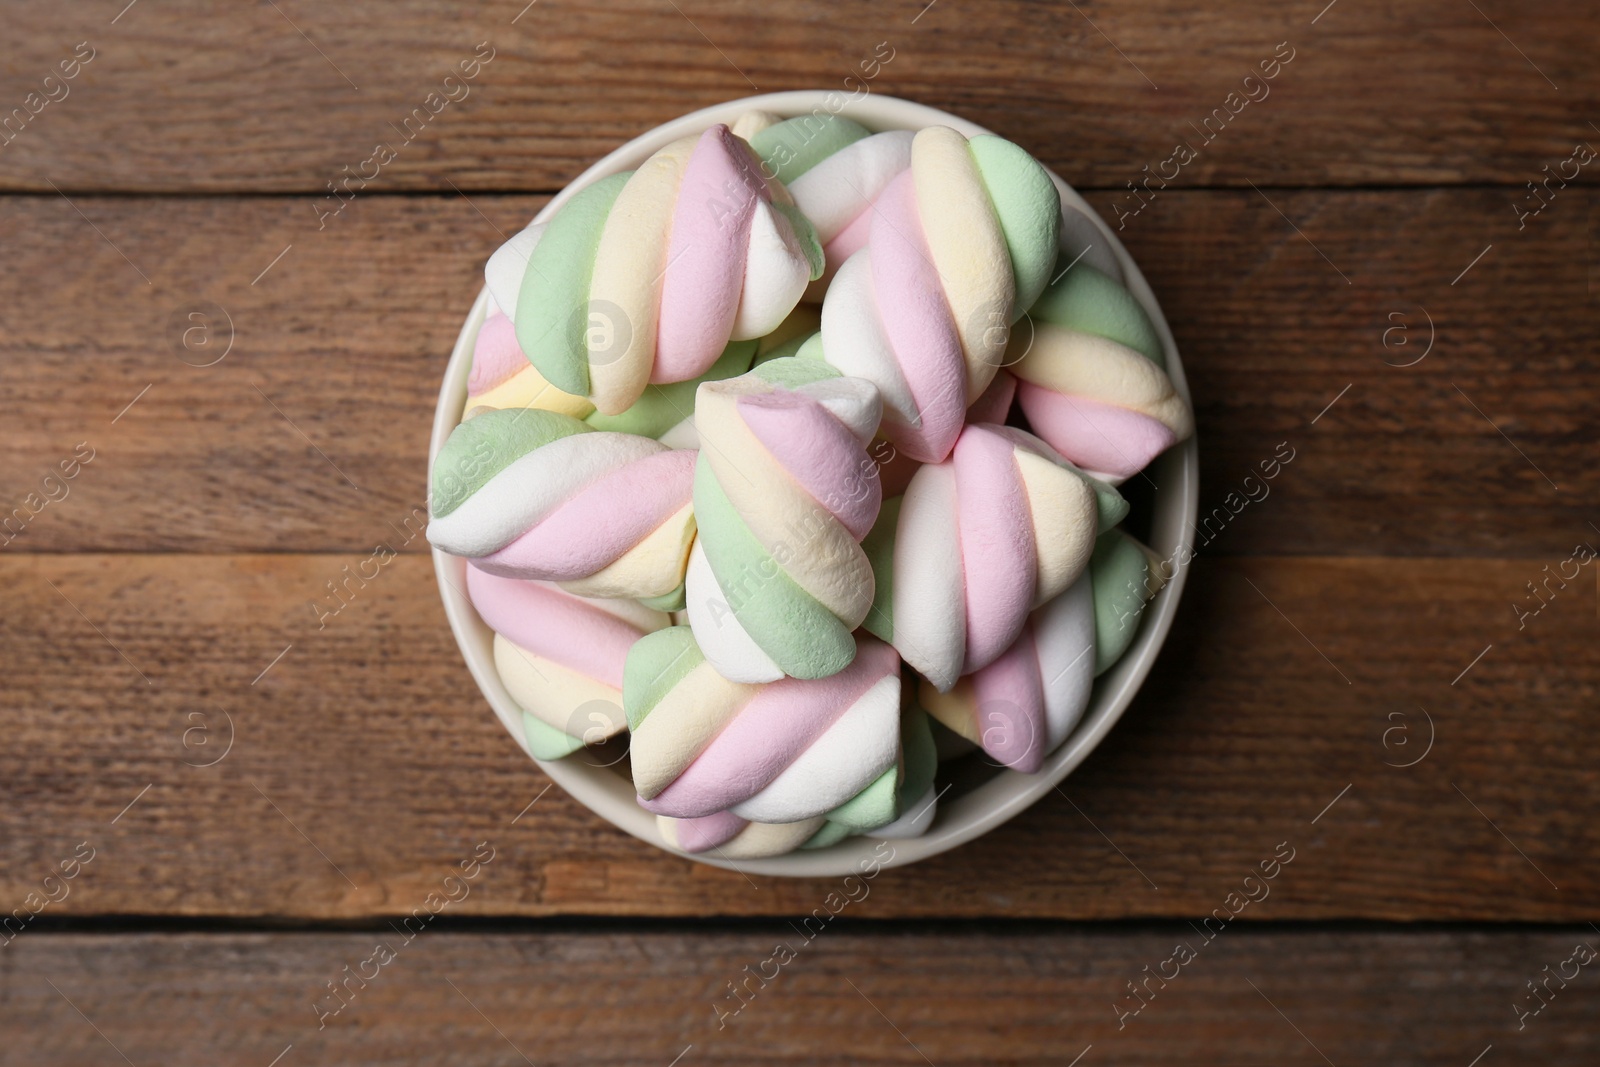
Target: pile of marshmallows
(771, 541)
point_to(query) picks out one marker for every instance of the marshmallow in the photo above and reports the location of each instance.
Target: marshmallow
(733, 838)
(835, 169)
(657, 420)
(977, 542)
(560, 657)
(784, 490)
(1093, 378)
(783, 752)
(901, 803)
(645, 276)
(502, 377)
(960, 245)
(1020, 707)
(666, 412)
(536, 494)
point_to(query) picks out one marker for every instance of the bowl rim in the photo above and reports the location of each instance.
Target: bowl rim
(1008, 793)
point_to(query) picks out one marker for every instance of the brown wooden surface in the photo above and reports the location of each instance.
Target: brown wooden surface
(949, 996)
(1327, 633)
(348, 335)
(369, 742)
(189, 96)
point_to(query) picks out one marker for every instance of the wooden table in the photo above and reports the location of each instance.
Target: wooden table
(1373, 671)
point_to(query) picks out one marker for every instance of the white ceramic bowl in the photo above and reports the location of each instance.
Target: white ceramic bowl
(961, 817)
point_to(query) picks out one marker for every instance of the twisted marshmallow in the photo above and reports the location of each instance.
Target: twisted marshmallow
(735, 838)
(907, 814)
(784, 491)
(1023, 705)
(915, 802)
(959, 246)
(1093, 378)
(535, 494)
(560, 658)
(835, 169)
(977, 542)
(502, 377)
(666, 412)
(646, 276)
(782, 752)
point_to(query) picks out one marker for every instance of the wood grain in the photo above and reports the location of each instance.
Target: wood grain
(1029, 995)
(311, 434)
(1354, 678)
(366, 765)
(192, 97)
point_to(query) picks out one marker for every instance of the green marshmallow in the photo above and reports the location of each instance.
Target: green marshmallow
(790, 349)
(919, 754)
(792, 372)
(552, 319)
(831, 833)
(673, 600)
(545, 741)
(1029, 208)
(661, 407)
(811, 348)
(802, 637)
(793, 146)
(1120, 571)
(879, 547)
(871, 808)
(867, 810)
(1111, 506)
(487, 444)
(1088, 300)
(806, 234)
(656, 663)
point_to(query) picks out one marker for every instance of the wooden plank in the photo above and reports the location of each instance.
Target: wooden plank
(1018, 996)
(311, 433)
(366, 765)
(187, 96)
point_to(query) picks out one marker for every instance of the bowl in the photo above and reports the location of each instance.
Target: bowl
(961, 816)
